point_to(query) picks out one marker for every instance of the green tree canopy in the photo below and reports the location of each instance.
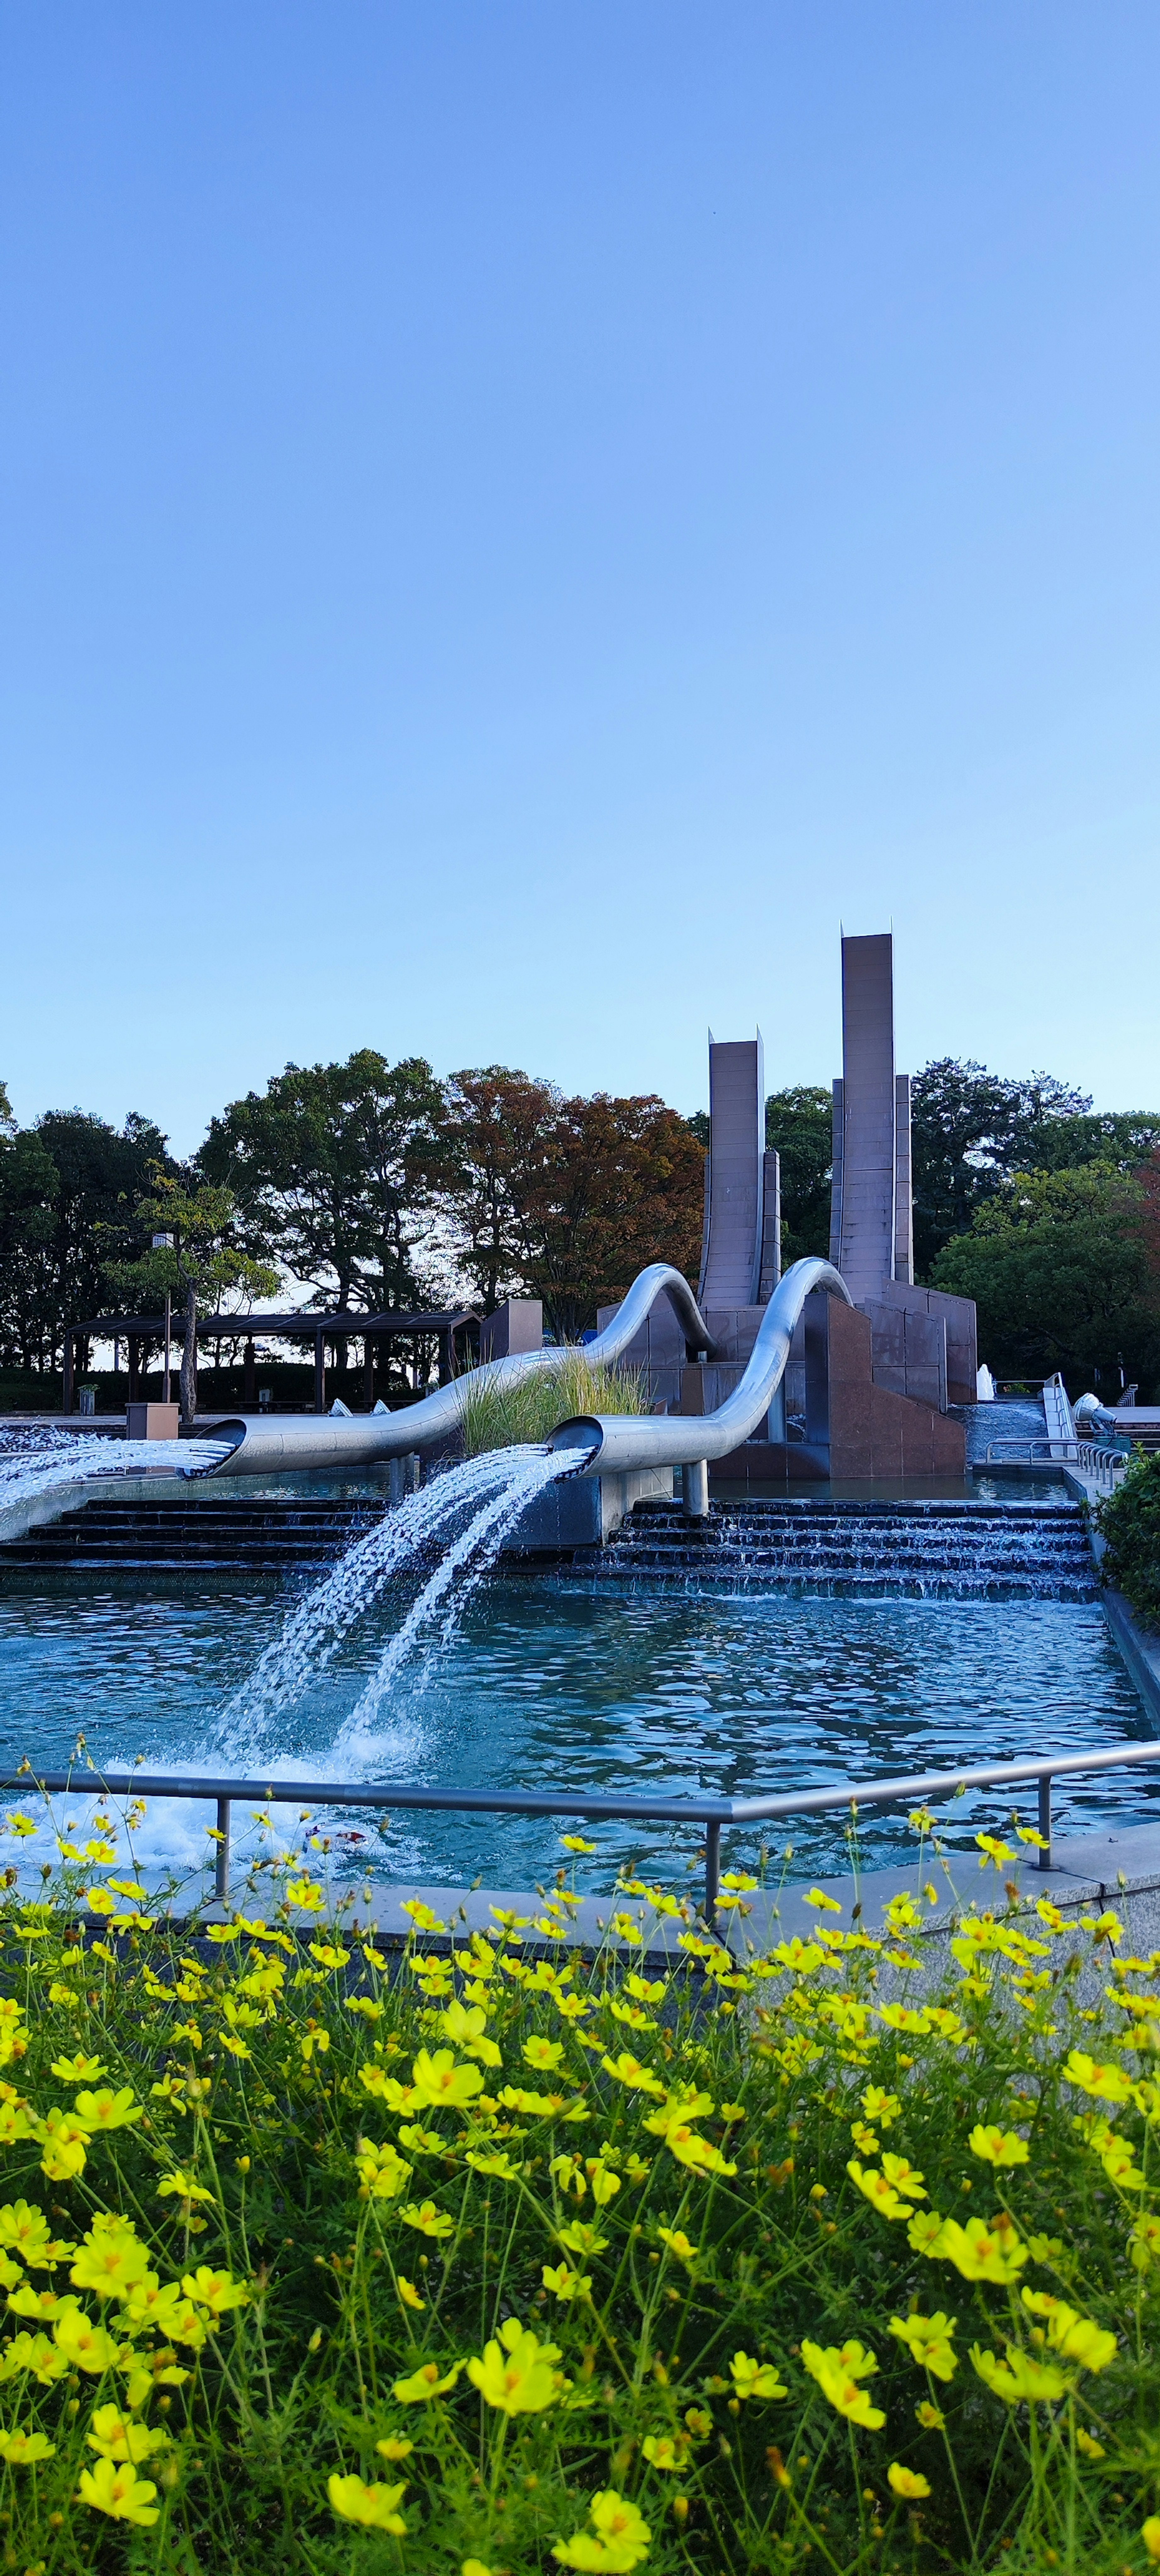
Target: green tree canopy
(67, 1185)
(334, 1168)
(203, 1262)
(1058, 1266)
(799, 1125)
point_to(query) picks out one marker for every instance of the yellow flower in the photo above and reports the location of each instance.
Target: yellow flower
(1150, 2535)
(904, 2177)
(376, 2506)
(426, 2382)
(475, 2567)
(495, 2163)
(880, 2106)
(85, 2345)
(678, 2243)
(66, 2146)
(542, 2053)
(23, 2450)
(408, 2292)
(1092, 2450)
(437, 2079)
(999, 2146)
(429, 2220)
(924, 2233)
(1107, 2081)
(930, 2417)
(394, 2449)
(36, 2355)
(906, 2482)
(519, 2379)
(817, 1897)
(111, 2262)
(755, 2378)
(994, 1851)
(115, 2436)
(981, 2251)
(838, 2373)
(381, 2170)
(117, 2490)
(662, 2452)
(1021, 2379)
(928, 2341)
(1073, 2335)
(181, 2186)
(217, 2291)
(564, 2283)
(629, 2071)
(622, 2537)
(582, 2239)
(881, 2194)
(76, 2070)
(571, 1842)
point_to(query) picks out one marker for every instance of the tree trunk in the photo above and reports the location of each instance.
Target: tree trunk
(189, 1358)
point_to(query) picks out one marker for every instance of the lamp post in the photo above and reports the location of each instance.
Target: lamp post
(164, 1243)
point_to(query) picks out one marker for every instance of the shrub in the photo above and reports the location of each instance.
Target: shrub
(476, 2258)
(1130, 1522)
(529, 1407)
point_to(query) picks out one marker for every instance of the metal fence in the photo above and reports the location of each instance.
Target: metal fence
(710, 1814)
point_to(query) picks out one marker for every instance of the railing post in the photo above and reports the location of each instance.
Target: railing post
(712, 1871)
(1045, 1818)
(221, 1872)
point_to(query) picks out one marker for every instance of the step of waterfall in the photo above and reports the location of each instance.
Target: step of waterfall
(271, 1534)
(909, 1551)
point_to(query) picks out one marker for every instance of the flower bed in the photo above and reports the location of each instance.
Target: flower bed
(498, 2257)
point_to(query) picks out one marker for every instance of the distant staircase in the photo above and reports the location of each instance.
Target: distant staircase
(846, 1550)
(273, 1535)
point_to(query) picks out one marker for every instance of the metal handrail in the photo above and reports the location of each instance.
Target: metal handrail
(712, 1813)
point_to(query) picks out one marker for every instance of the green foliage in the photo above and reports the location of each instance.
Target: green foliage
(334, 1168)
(1058, 1268)
(1130, 1522)
(850, 2256)
(201, 1264)
(799, 1125)
(67, 1190)
(496, 1416)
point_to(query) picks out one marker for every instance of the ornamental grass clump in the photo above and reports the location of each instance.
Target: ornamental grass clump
(528, 1409)
(494, 2255)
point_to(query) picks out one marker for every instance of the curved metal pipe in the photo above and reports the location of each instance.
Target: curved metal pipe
(617, 1441)
(315, 1443)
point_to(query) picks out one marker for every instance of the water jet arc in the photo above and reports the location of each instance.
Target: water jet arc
(620, 1441)
(331, 1444)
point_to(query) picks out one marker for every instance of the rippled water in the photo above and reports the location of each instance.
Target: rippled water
(546, 1685)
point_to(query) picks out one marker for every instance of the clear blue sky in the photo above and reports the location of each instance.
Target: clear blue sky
(518, 519)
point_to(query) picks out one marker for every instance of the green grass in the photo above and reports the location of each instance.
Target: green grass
(486, 2258)
(500, 1417)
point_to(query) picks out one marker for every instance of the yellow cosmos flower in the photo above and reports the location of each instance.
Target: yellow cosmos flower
(571, 1842)
(115, 2436)
(111, 2263)
(66, 2146)
(982, 2250)
(375, 2506)
(928, 2340)
(1084, 2442)
(1021, 2379)
(408, 2292)
(76, 2070)
(495, 2163)
(662, 2452)
(437, 2079)
(23, 2450)
(678, 2243)
(564, 2283)
(382, 2171)
(908, 2483)
(755, 2378)
(181, 2186)
(631, 2072)
(1072, 2335)
(542, 2053)
(582, 2239)
(115, 2488)
(880, 2193)
(838, 2373)
(1150, 2535)
(25, 2229)
(1107, 2081)
(85, 2345)
(619, 2539)
(394, 2449)
(999, 2146)
(426, 2382)
(429, 2220)
(217, 2291)
(516, 2374)
(930, 2417)
(881, 2106)
(35, 2355)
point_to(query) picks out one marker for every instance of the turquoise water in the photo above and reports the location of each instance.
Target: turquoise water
(545, 1684)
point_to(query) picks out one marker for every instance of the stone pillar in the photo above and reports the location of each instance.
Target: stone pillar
(732, 1261)
(518, 1325)
(319, 1373)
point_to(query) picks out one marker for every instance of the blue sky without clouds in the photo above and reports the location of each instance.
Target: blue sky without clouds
(519, 520)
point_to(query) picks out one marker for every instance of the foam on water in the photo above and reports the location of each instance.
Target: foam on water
(465, 1513)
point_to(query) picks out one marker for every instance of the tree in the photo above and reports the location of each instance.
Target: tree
(202, 1262)
(334, 1170)
(566, 1199)
(65, 1184)
(799, 1125)
(1057, 1264)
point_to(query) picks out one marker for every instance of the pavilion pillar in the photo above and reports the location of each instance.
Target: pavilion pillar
(66, 1404)
(446, 1360)
(134, 1346)
(249, 1389)
(319, 1373)
(369, 1372)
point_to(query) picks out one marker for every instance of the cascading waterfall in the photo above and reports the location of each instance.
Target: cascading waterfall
(75, 1458)
(486, 1495)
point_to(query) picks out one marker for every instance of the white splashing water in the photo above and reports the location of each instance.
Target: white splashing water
(75, 1459)
(485, 1494)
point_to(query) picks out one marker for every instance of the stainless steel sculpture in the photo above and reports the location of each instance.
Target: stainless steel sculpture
(615, 1441)
(317, 1443)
